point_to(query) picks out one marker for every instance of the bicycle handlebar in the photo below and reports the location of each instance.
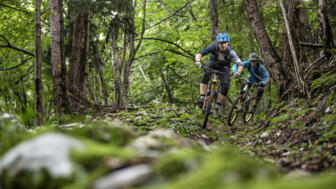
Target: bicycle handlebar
(212, 70)
(248, 81)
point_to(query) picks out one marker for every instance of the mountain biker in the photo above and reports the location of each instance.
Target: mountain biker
(257, 74)
(221, 56)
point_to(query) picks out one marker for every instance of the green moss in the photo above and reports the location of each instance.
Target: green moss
(172, 164)
(103, 132)
(94, 154)
(325, 80)
(37, 180)
(223, 167)
(280, 118)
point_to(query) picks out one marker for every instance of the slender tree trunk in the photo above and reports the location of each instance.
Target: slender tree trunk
(97, 55)
(213, 13)
(56, 11)
(133, 48)
(324, 27)
(38, 56)
(116, 65)
(85, 62)
(293, 52)
(164, 81)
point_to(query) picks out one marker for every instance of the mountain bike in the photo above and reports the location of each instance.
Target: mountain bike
(243, 103)
(211, 94)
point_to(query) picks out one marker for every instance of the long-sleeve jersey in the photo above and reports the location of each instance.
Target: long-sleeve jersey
(220, 60)
(257, 73)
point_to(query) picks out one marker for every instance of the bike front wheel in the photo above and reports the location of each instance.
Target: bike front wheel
(208, 107)
(248, 113)
(235, 110)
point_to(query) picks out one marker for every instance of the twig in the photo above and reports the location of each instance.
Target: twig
(169, 16)
(11, 68)
(176, 45)
(8, 45)
(312, 45)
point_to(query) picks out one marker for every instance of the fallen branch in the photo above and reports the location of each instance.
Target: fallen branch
(312, 45)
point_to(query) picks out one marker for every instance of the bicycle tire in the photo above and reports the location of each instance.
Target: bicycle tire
(207, 109)
(233, 112)
(248, 115)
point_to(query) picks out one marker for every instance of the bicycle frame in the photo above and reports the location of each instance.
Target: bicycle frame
(213, 85)
(241, 104)
(211, 95)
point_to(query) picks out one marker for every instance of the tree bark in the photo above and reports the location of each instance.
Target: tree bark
(324, 27)
(99, 69)
(78, 69)
(56, 11)
(272, 60)
(213, 13)
(38, 58)
(293, 51)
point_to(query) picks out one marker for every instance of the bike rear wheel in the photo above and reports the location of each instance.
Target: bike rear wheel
(207, 111)
(234, 111)
(248, 114)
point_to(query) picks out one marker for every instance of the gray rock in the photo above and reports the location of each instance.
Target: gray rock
(264, 135)
(124, 178)
(49, 151)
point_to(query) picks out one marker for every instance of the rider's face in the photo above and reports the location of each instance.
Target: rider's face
(223, 46)
(253, 63)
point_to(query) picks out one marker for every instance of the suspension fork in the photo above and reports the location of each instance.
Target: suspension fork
(211, 87)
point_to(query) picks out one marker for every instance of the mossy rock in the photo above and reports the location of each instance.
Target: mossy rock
(104, 132)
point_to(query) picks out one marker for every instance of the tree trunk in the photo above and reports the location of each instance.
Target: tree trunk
(116, 64)
(324, 27)
(38, 56)
(164, 81)
(293, 52)
(213, 13)
(133, 49)
(99, 69)
(78, 69)
(272, 60)
(56, 11)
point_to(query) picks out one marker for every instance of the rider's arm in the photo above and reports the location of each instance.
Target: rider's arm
(265, 74)
(207, 50)
(238, 66)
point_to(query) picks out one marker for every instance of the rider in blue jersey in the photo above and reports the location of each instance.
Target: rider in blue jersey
(221, 56)
(257, 74)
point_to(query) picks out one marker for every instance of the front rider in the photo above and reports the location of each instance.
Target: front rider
(257, 74)
(221, 56)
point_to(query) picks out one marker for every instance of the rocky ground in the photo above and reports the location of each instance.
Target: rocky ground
(161, 146)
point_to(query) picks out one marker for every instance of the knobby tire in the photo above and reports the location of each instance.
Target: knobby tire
(208, 109)
(233, 112)
(248, 115)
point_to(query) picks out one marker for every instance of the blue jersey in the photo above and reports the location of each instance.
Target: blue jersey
(256, 74)
(220, 60)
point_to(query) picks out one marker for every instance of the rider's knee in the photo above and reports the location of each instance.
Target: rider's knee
(225, 90)
(260, 93)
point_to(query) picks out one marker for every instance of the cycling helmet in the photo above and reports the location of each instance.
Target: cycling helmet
(253, 56)
(222, 37)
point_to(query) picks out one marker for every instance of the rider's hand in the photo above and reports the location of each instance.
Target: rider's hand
(236, 74)
(198, 64)
(261, 84)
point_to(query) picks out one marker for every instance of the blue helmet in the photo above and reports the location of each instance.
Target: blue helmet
(222, 37)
